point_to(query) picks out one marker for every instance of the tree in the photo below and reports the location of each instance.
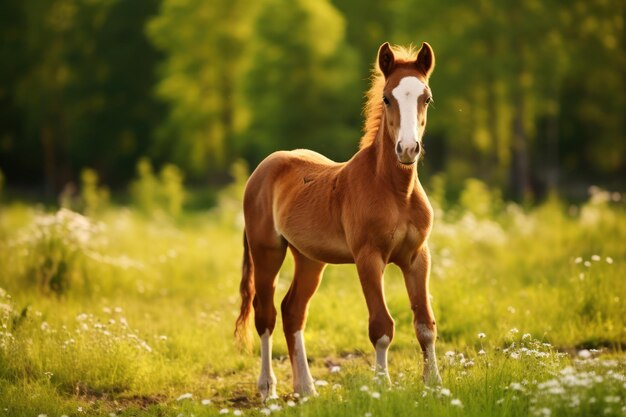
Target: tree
(300, 86)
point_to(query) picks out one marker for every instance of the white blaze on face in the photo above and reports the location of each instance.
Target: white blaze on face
(406, 94)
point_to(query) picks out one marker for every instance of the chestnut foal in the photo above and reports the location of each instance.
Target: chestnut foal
(371, 210)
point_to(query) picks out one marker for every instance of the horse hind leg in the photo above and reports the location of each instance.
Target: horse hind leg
(294, 308)
(267, 262)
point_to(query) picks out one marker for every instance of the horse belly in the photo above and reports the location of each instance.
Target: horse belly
(317, 240)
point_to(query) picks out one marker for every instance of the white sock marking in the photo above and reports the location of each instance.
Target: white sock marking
(267, 380)
(302, 374)
(382, 345)
(430, 358)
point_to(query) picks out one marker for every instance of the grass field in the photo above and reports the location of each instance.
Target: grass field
(127, 314)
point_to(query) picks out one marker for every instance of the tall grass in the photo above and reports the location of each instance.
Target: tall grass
(124, 313)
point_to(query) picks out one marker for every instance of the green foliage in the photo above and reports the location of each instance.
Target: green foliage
(55, 248)
(93, 196)
(155, 317)
(173, 193)
(478, 199)
(162, 194)
(305, 69)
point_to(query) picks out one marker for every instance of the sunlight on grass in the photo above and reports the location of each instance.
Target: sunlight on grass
(128, 313)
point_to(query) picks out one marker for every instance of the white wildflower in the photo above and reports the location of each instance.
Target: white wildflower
(481, 352)
(587, 264)
(264, 411)
(375, 395)
(334, 369)
(514, 330)
(609, 260)
(237, 413)
(290, 403)
(445, 392)
(578, 260)
(584, 354)
(526, 336)
(275, 407)
(226, 411)
(205, 402)
(595, 258)
(481, 335)
(364, 388)
(456, 402)
(185, 396)
(321, 383)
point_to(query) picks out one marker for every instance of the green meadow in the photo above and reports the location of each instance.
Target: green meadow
(130, 312)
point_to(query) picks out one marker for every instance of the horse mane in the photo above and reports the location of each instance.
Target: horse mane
(373, 108)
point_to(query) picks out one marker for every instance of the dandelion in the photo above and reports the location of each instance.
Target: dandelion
(481, 335)
(456, 403)
(185, 396)
(375, 395)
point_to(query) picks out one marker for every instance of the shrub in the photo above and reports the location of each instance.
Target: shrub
(56, 246)
(153, 195)
(93, 197)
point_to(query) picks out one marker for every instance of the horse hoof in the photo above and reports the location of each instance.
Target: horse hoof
(432, 379)
(306, 391)
(267, 389)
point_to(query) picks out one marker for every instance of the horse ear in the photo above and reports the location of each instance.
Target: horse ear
(386, 60)
(425, 61)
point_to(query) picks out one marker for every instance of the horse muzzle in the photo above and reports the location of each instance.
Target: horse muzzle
(408, 151)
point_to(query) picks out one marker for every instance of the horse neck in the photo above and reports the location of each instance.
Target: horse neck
(388, 167)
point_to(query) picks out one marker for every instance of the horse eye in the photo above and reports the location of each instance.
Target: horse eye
(428, 100)
(385, 100)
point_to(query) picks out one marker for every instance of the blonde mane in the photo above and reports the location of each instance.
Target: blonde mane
(373, 108)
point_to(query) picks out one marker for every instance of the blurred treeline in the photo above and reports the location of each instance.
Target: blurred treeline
(529, 95)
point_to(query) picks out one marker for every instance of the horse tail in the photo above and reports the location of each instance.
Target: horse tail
(243, 334)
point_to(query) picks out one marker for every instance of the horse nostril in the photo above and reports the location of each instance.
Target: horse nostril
(398, 148)
(417, 147)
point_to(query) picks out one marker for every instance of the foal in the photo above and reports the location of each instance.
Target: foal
(371, 210)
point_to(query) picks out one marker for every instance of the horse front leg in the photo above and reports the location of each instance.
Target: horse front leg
(416, 276)
(381, 326)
